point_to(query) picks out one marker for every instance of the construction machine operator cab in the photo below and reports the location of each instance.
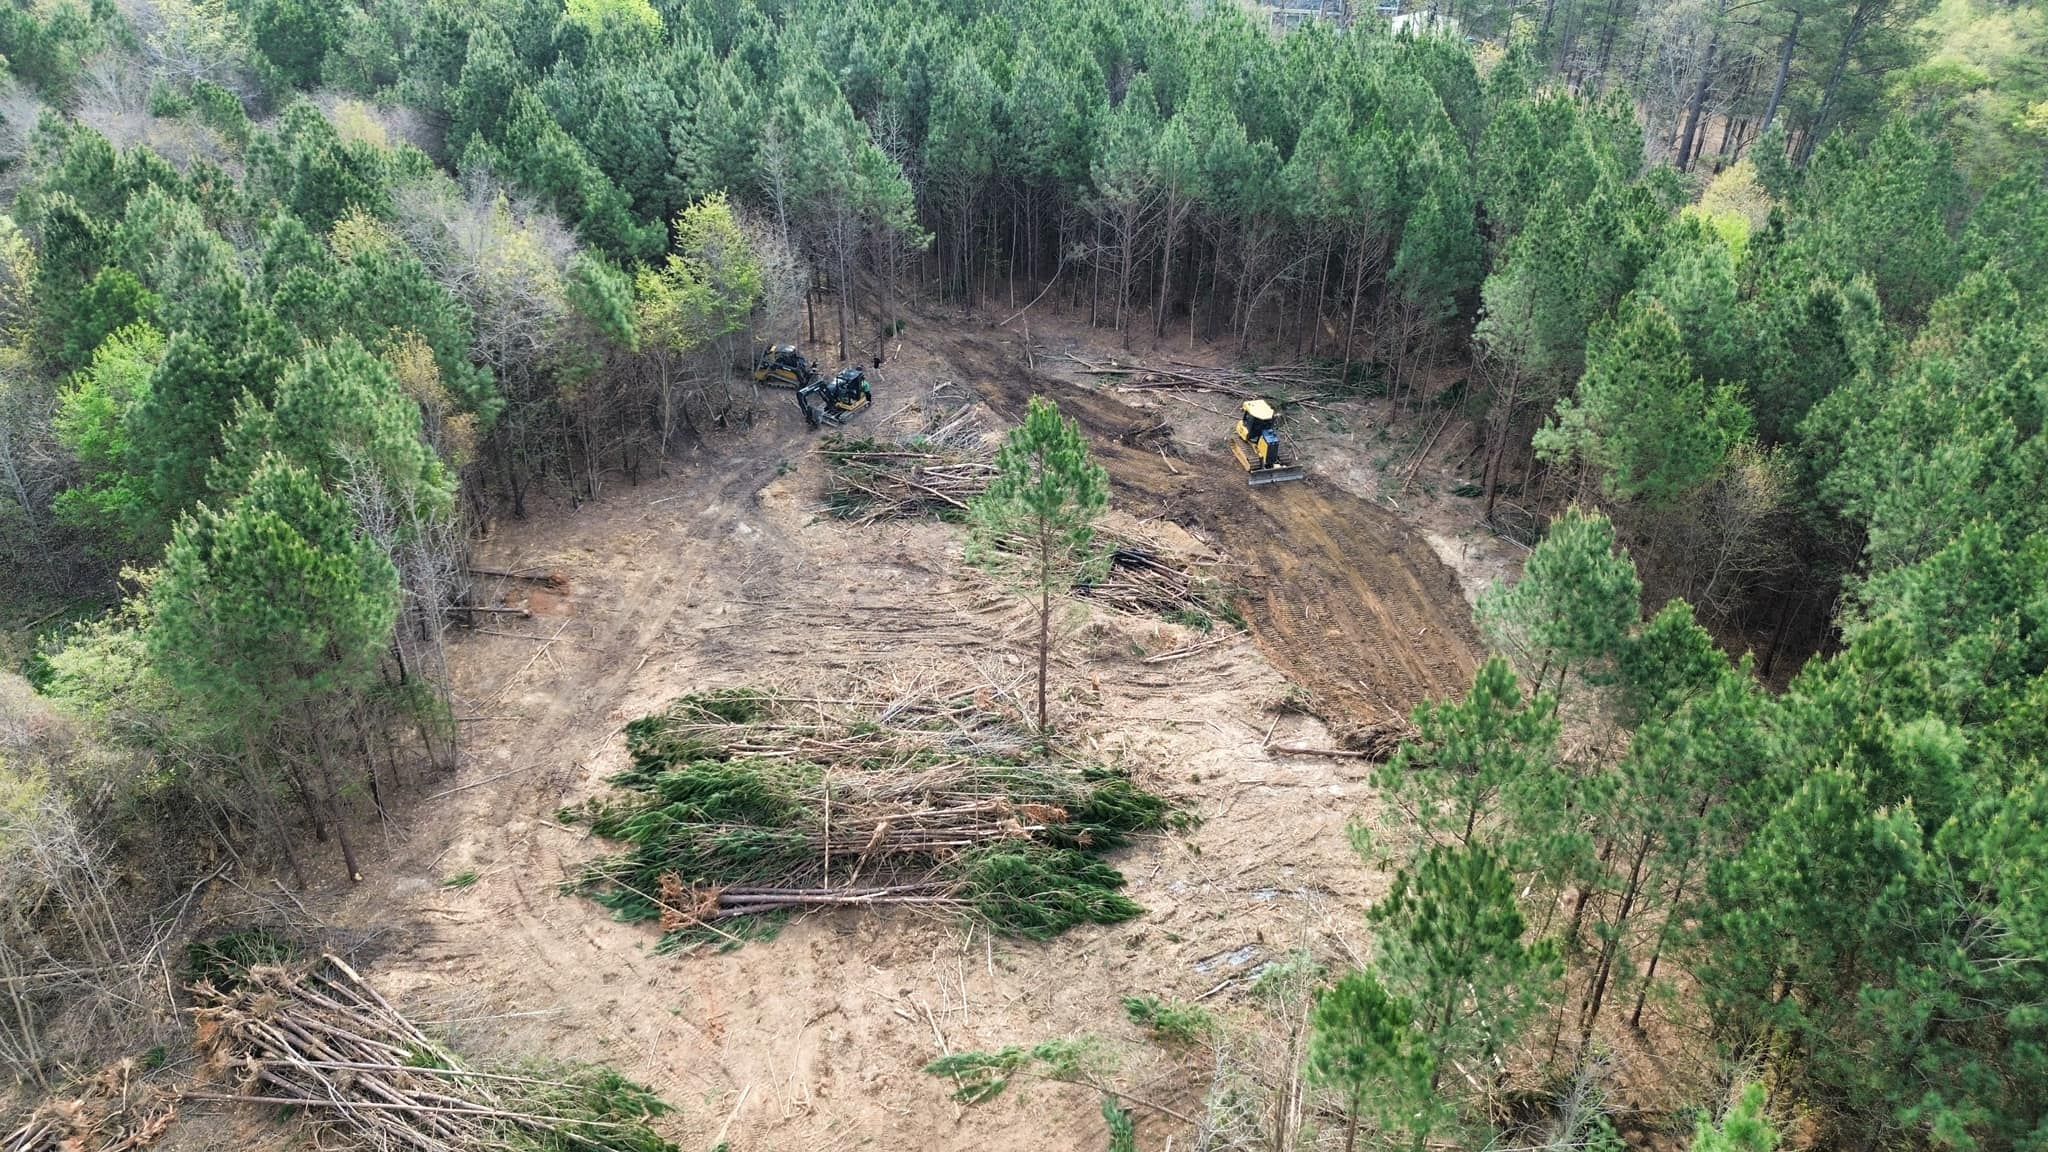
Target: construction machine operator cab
(782, 362)
(1255, 427)
(850, 389)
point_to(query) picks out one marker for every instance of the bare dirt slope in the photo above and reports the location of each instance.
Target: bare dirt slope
(1342, 596)
(727, 572)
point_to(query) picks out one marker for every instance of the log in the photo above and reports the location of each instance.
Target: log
(1332, 753)
(549, 579)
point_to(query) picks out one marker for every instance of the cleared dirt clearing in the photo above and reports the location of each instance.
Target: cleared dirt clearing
(727, 573)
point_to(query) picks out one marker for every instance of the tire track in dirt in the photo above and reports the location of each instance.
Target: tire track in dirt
(1341, 596)
(616, 618)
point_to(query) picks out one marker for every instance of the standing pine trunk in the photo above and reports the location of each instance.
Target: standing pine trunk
(1036, 520)
(1044, 630)
(1357, 289)
(845, 287)
(1697, 104)
(1784, 72)
(323, 756)
(1865, 14)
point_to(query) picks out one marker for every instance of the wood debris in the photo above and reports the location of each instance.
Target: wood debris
(742, 802)
(318, 1039)
(110, 1111)
(1289, 383)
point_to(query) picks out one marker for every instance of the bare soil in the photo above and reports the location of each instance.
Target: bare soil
(1342, 595)
(727, 572)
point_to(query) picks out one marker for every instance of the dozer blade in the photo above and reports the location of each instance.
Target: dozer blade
(1265, 476)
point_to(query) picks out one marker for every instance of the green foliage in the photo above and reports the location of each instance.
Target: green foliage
(224, 961)
(599, 16)
(308, 169)
(1123, 1130)
(47, 44)
(550, 164)
(1669, 661)
(1847, 865)
(273, 600)
(982, 1076)
(1744, 1129)
(234, 347)
(1950, 436)
(1451, 941)
(1363, 1044)
(294, 36)
(1036, 520)
(1576, 603)
(1170, 1021)
(709, 286)
(94, 421)
(603, 1112)
(339, 413)
(1471, 758)
(705, 808)
(1037, 893)
(1654, 429)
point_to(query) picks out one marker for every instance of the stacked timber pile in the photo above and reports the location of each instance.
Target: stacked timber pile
(317, 1039)
(110, 1111)
(1290, 383)
(744, 805)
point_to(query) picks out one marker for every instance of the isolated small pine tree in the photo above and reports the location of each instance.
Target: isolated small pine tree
(1037, 519)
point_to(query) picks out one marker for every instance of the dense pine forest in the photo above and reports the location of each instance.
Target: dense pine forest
(1738, 310)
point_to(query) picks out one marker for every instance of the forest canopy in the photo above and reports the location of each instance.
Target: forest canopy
(1745, 305)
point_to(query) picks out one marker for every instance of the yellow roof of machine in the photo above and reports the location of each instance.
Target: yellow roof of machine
(1258, 409)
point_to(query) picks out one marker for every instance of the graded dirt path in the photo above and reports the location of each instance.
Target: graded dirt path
(1343, 597)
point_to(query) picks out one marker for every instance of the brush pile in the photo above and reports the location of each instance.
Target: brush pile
(1381, 740)
(110, 1111)
(1291, 383)
(1139, 579)
(742, 803)
(933, 472)
(318, 1039)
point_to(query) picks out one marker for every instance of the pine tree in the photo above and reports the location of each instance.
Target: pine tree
(1363, 1045)
(269, 610)
(1744, 1129)
(1037, 519)
(1454, 780)
(1450, 939)
(339, 413)
(1575, 605)
(1642, 416)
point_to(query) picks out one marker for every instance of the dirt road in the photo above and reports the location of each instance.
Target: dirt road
(1340, 594)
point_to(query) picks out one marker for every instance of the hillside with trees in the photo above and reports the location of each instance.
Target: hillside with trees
(1736, 312)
